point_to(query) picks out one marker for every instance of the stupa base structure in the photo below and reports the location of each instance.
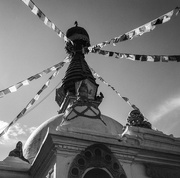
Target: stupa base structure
(81, 150)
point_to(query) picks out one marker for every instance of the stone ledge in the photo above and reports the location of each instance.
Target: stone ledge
(151, 139)
(14, 164)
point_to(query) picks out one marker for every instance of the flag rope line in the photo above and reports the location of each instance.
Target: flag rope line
(30, 104)
(35, 10)
(138, 31)
(43, 98)
(124, 98)
(25, 82)
(40, 101)
(137, 57)
(106, 83)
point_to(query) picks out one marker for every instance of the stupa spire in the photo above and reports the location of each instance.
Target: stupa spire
(78, 82)
(76, 23)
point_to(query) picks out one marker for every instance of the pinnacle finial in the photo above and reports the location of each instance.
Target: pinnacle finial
(18, 152)
(76, 23)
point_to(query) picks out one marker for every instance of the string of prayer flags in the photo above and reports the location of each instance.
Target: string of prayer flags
(138, 31)
(99, 46)
(124, 98)
(26, 82)
(35, 10)
(146, 27)
(30, 104)
(137, 57)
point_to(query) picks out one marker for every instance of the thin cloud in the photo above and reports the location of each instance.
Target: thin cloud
(15, 133)
(165, 108)
(31, 129)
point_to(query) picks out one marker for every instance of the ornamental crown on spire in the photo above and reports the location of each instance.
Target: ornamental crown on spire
(79, 37)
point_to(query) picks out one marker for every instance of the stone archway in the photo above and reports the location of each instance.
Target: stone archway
(96, 173)
(96, 158)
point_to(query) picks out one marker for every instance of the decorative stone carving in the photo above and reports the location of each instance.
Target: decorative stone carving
(17, 152)
(162, 171)
(136, 118)
(96, 156)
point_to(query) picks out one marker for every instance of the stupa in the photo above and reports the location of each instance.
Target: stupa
(80, 142)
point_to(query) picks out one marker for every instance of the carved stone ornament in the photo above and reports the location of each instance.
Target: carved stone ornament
(136, 118)
(17, 152)
(162, 171)
(96, 156)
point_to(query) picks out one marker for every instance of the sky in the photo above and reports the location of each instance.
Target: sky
(28, 47)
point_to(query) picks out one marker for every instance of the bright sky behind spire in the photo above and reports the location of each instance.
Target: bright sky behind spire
(27, 47)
